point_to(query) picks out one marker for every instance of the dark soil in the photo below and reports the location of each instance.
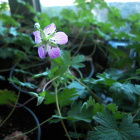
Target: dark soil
(20, 121)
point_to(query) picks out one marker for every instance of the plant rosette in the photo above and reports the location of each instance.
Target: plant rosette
(21, 121)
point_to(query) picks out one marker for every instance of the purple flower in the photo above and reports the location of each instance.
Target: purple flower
(47, 41)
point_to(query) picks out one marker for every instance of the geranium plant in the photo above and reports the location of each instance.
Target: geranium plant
(105, 107)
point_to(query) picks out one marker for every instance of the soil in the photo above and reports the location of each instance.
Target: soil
(19, 122)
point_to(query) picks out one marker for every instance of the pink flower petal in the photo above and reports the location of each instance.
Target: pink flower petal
(53, 52)
(49, 29)
(37, 35)
(42, 52)
(60, 38)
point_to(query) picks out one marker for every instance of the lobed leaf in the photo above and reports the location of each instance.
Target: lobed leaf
(108, 128)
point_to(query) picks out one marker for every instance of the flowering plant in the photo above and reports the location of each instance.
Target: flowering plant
(103, 107)
(100, 108)
(76, 100)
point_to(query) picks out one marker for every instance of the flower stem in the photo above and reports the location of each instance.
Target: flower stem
(57, 105)
(11, 111)
(49, 82)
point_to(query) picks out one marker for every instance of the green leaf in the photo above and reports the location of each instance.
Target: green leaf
(134, 17)
(60, 71)
(65, 60)
(22, 71)
(101, 34)
(3, 30)
(7, 96)
(13, 31)
(90, 101)
(22, 2)
(76, 61)
(116, 53)
(78, 65)
(64, 98)
(3, 6)
(33, 94)
(103, 78)
(120, 74)
(42, 93)
(118, 115)
(109, 129)
(65, 55)
(27, 84)
(96, 106)
(126, 90)
(100, 108)
(40, 74)
(112, 107)
(80, 90)
(8, 20)
(60, 61)
(40, 100)
(80, 112)
(42, 19)
(138, 71)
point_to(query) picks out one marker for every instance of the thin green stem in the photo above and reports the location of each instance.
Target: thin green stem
(11, 111)
(74, 39)
(102, 50)
(136, 120)
(80, 45)
(57, 105)
(113, 53)
(79, 72)
(90, 91)
(136, 113)
(75, 130)
(93, 51)
(30, 130)
(91, 127)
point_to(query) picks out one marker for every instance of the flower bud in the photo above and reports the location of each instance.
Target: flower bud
(37, 26)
